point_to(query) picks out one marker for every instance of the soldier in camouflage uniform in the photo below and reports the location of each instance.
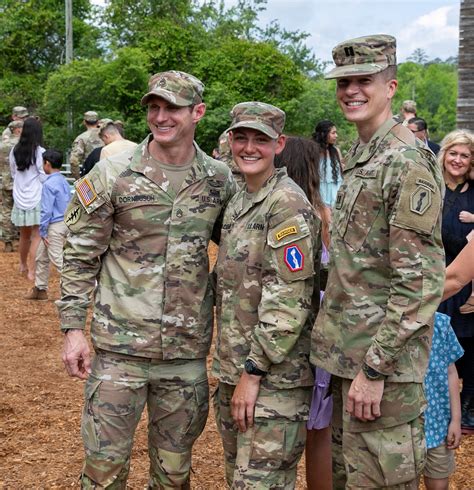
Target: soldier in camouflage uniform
(19, 113)
(9, 232)
(385, 279)
(85, 143)
(265, 284)
(225, 155)
(140, 224)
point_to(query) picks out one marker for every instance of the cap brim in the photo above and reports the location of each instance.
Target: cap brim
(263, 128)
(356, 70)
(168, 96)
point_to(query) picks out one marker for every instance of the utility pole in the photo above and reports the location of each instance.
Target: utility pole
(69, 44)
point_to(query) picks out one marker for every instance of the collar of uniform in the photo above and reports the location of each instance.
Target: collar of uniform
(264, 191)
(371, 147)
(200, 170)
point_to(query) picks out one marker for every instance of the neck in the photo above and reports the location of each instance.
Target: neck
(173, 154)
(256, 182)
(453, 182)
(54, 171)
(366, 129)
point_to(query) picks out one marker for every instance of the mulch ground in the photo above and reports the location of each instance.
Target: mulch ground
(40, 406)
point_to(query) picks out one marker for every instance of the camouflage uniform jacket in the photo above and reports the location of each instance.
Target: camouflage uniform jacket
(386, 272)
(147, 248)
(236, 173)
(6, 135)
(264, 306)
(82, 147)
(5, 173)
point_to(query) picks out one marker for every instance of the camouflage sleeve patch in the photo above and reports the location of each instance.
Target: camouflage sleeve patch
(291, 246)
(419, 202)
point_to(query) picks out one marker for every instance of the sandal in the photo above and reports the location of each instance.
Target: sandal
(467, 307)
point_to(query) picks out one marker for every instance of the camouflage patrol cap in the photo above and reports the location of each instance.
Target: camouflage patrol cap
(103, 123)
(91, 116)
(365, 55)
(224, 146)
(260, 116)
(177, 87)
(15, 124)
(20, 111)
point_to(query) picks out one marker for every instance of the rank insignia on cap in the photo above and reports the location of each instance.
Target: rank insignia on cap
(85, 192)
(290, 230)
(162, 82)
(294, 258)
(420, 200)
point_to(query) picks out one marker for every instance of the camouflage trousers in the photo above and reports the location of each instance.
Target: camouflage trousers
(389, 452)
(177, 397)
(9, 231)
(267, 454)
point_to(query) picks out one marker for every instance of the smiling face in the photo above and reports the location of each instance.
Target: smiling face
(254, 153)
(366, 101)
(457, 162)
(172, 125)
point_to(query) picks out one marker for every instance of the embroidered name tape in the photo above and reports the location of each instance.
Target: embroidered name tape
(291, 230)
(294, 258)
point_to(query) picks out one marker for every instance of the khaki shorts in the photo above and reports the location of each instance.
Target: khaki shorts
(439, 462)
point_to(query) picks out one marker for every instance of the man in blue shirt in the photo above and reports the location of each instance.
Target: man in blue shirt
(54, 200)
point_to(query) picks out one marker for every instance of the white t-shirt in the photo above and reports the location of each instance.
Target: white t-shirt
(116, 147)
(27, 184)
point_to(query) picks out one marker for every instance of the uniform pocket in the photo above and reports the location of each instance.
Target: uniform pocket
(90, 422)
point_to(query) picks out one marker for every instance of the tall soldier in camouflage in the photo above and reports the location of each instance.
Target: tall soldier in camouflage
(85, 143)
(265, 305)
(225, 155)
(19, 113)
(9, 232)
(385, 278)
(140, 224)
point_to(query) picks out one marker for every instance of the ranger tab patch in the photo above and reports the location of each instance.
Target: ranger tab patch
(294, 258)
(85, 192)
(290, 230)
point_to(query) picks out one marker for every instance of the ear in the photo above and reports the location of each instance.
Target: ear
(392, 88)
(280, 144)
(198, 112)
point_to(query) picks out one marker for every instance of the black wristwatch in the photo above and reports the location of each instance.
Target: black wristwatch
(251, 368)
(371, 374)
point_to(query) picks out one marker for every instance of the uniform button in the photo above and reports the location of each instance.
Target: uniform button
(179, 213)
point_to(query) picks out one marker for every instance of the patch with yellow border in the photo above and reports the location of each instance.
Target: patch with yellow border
(85, 192)
(290, 230)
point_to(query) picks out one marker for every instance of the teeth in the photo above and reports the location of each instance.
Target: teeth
(355, 104)
(250, 159)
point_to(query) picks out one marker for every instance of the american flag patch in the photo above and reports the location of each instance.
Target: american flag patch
(85, 192)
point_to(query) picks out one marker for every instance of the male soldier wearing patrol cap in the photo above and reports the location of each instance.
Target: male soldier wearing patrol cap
(140, 224)
(85, 142)
(9, 231)
(385, 278)
(19, 113)
(265, 284)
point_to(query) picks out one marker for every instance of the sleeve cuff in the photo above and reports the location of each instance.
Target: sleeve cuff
(259, 358)
(377, 359)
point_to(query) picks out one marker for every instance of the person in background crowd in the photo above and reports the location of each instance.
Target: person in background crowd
(419, 128)
(455, 158)
(301, 158)
(225, 155)
(407, 112)
(139, 228)
(373, 332)
(19, 113)
(443, 414)
(9, 232)
(55, 197)
(113, 140)
(330, 166)
(85, 143)
(26, 167)
(266, 271)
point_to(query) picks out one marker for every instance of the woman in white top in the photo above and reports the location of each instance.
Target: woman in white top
(26, 166)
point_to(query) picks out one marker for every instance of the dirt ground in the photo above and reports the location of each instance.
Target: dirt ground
(40, 406)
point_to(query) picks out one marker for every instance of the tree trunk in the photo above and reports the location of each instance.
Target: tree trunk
(465, 110)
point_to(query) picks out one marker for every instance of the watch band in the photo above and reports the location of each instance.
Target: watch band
(371, 374)
(251, 368)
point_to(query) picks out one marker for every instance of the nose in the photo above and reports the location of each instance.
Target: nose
(249, 146)
(352, 87)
